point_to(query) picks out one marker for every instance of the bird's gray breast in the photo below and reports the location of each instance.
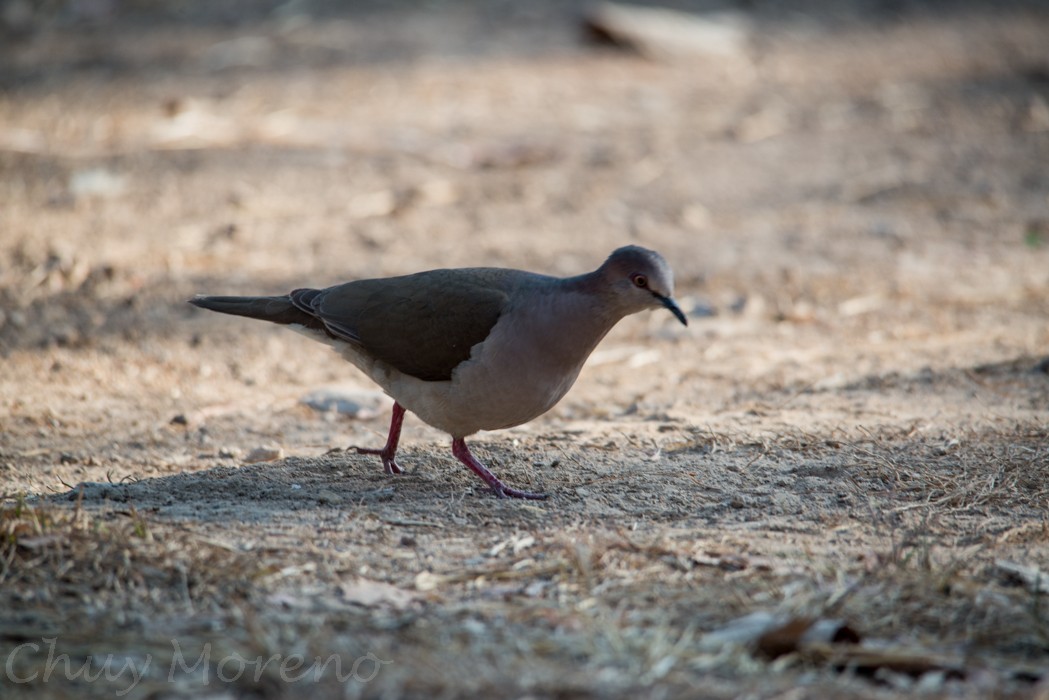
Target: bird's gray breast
(528, 362)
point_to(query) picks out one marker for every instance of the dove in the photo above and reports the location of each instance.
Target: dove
(469, 349)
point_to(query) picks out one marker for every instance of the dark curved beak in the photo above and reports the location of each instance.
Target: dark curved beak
(673, 307)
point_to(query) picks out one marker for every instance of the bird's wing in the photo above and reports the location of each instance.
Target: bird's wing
(423, 325)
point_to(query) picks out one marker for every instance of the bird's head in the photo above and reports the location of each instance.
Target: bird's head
(640, 279)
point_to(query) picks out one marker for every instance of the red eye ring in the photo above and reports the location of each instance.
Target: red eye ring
(640, 281)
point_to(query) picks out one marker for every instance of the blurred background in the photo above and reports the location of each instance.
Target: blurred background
(800, 152)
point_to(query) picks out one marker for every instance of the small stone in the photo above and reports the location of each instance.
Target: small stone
(264, 454)
(97, 182)
(347, 401)
(427, 581)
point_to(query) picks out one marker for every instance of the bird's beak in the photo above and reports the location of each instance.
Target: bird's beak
(673, 307)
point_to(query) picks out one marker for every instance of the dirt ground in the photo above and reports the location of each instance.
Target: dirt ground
(853, 429)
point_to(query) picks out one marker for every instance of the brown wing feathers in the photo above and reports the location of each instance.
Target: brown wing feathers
(423, 325)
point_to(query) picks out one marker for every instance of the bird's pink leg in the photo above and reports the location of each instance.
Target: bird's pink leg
(462, 453)
(389, 451)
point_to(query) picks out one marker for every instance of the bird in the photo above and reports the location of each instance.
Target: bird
(469, 349)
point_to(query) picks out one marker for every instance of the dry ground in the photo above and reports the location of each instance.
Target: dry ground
(854, 427)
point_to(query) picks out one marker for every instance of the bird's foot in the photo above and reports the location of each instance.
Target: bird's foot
(389, 459)
(504, 491)
(462, 453)
(389, 451)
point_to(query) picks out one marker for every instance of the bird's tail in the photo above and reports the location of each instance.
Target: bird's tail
(274, 309)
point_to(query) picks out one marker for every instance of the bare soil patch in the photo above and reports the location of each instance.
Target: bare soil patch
(854, 428)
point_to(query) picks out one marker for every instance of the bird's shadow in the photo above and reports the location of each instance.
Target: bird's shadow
(277, 491)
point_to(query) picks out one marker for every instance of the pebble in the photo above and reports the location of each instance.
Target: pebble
(264, 454)
(346, 401)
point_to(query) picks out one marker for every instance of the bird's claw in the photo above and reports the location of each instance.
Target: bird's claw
(389, 461)
(504, 491)
(462, 453)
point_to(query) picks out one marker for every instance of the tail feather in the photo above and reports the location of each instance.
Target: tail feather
(274, 309)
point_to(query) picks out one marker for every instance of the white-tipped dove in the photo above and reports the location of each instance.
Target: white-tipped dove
(470, 349)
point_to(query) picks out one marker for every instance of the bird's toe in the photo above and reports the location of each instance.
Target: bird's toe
(389, 460)
(508, 492)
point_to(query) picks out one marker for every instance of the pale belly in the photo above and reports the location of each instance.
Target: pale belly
(514, 376)
(499, 392)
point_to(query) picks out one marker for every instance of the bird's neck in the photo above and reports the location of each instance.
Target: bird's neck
(593, 292)
(580, 317)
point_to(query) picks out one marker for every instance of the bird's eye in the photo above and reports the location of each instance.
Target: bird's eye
(640, 281)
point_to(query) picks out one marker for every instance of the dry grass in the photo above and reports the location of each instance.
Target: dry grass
(101, 560)
(593, 606)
